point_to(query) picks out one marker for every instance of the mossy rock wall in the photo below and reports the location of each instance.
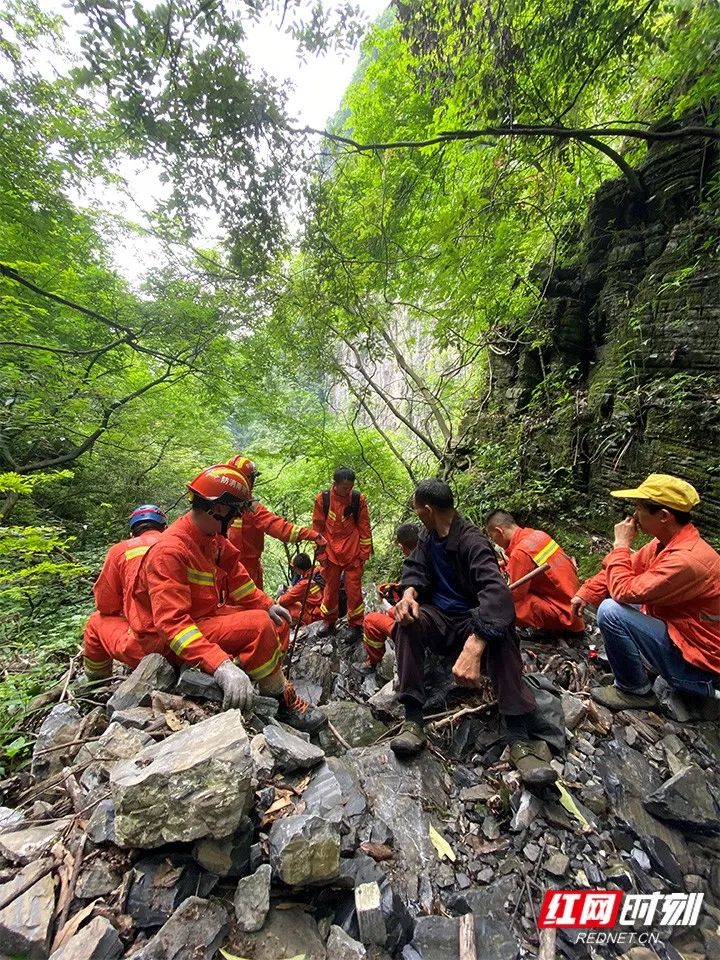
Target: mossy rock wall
(634, 355)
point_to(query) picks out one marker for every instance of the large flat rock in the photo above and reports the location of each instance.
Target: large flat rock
(26, 923)
(197, 783)
(153, 672)
(97, 941)
(28, 843)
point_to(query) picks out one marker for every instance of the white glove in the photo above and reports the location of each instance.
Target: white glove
(236, 686)
(277, 614)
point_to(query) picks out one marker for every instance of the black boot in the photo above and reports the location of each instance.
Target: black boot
(297, 713)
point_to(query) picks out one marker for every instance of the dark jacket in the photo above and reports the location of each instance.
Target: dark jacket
(477, 574)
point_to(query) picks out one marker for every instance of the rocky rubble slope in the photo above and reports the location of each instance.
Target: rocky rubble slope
(154, 826)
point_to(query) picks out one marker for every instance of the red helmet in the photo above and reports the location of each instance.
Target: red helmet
(245, 466)
(222, 484)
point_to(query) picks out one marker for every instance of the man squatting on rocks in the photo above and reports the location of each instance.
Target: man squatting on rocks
(456, 603)
(191, 599)
(658, 608)
(542, 604)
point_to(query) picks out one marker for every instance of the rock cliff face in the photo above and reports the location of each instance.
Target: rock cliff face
(630, 379)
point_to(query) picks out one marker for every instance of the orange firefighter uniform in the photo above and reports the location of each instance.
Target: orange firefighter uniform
(542, 603)
(377, 626)
(247, 533)
(349, 544)
(292, 599)
(108, 626)
(678, 583)
(194, 602)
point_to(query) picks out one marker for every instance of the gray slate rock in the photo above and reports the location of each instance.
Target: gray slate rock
(60, 726)
(385, 703)
(227, 856)
(115, 744)
(196, 783)
(354, 722)
(287, 933)
(101, 826)
(138, 718)
(574, 710)
(262, 757)
(687, 801)
(304, 850)
(252, 900)
(10, 818)
(26, 923)
(199, 686)
(341, 946)
(96, 941)
(313, 677)
(27, 844)
(196, 931)
(437, 938)
(160, 884)
(291, 753)
(153, 672)
(528, 808)
(98, 878)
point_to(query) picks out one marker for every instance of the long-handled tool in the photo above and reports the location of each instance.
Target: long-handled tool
(529, 576)
(291, 647)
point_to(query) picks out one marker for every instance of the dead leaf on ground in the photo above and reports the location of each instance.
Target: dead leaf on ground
(485, 846)
(167, 876)
(174, 722)
(72, 926)
(443, 848)
(378, 851)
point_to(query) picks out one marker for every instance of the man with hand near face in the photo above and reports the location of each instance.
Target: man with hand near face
(659, 606)
(455, 602)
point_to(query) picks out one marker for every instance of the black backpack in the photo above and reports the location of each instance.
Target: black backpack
(352, 509)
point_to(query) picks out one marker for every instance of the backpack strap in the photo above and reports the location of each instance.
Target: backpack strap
(353, 510)
(326, 502)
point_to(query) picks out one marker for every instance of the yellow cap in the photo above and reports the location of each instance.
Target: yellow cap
(664, 489)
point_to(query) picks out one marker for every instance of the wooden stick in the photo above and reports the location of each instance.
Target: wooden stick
(338, 736)
(546, 951)
(529, 576)
(467, 937)
(63, 746)
(464, 712)
(62, 919)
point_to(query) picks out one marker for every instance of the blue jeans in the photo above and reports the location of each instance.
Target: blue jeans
(633, 639)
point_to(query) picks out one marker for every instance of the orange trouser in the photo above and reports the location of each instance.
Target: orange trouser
(353, 592)
(249, 636)
(541, 614)
(312, 613)
(377, 627)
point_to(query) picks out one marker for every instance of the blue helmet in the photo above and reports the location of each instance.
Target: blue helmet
(148, 511)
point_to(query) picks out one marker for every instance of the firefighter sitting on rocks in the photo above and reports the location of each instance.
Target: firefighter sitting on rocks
(542, 604)
(193, 601)
(107, 627)
(247, 532)
(659, 606)
(293, 598)
(377, 626)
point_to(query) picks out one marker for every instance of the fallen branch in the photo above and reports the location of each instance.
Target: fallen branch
(70, 895)
(467, 937)
(338, 736)
(462, 712)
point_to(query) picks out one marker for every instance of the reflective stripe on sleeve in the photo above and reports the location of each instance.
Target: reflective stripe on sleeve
(366, 543)
(244, 590)
(359, 609)
(542, 556)
(183, 639)
(294, 535)
(203, 578)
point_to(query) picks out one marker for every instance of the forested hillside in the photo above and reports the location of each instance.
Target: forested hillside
(498, 263)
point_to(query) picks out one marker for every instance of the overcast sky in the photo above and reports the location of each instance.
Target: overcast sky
(318, 87)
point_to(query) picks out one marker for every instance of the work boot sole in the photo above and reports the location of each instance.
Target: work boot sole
(407, 748)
